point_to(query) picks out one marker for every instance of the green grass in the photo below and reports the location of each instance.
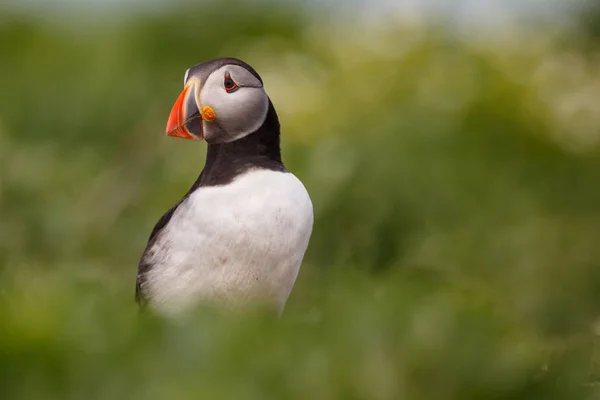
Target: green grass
(455, 186)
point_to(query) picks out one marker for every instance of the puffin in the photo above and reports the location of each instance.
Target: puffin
(237, 238)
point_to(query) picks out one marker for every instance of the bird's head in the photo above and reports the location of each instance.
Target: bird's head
(222, 100)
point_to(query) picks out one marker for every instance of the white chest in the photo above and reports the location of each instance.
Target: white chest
(233, 244)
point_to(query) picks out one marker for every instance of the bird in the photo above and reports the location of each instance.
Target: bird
(238, 237)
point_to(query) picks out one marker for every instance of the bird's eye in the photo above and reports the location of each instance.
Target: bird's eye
(229, 83)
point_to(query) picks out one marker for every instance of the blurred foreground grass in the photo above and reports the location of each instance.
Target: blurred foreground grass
(455, 184)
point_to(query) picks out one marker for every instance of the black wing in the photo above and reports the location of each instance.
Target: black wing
(145, 265)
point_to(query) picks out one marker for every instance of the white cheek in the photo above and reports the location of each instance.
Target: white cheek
(238, 114)
(244, 111)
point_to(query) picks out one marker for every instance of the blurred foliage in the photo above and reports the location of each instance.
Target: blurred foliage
(589, 21)
(454, 179)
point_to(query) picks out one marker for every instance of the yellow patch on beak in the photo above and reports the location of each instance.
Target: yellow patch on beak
(208, 114)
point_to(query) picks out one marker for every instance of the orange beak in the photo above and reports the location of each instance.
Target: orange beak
(185, 120)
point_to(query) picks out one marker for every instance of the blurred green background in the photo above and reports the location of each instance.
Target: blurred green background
(454, 171)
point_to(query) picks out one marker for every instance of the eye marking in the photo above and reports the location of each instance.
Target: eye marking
(229, 83)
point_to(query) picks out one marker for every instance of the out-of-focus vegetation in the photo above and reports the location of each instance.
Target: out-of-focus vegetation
(456, 186)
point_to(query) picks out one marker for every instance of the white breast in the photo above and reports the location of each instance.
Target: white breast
(233, 244)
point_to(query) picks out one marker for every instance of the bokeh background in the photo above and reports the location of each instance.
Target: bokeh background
(452, 153)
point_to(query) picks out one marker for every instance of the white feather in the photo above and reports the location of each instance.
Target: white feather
(233, 245)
